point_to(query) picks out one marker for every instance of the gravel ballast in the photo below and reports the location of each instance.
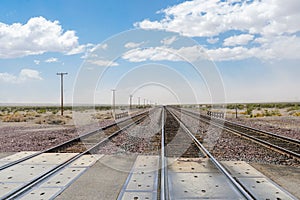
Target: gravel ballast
(228, 146)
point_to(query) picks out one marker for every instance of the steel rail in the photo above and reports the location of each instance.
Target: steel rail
(163, 178)
(53, 171)
(237, 185)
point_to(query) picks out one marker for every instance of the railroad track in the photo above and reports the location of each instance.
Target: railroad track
(139, 140)
(189, 148)
(82, 142)
(285, 145)
(51, 170)
(177, 142)
(177, 172)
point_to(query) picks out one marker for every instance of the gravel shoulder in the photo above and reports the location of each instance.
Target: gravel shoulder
(226, 146)
(43, 132)
(286, 125)
(24, 136)
(285, 176)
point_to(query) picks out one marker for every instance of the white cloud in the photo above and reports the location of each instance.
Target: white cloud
(235, 40)
(6, 77)
(235, 53)
(103, 63)
(51, 60)
(90, 48)
(287, 47)
(103, 46)
(24, 75)
(152, 53)
(77, 50)
(210, 18)
(274, 23)
(37, 62)
(212, 40)
(29, 74)
(276, 48)
(169, 40)
(131, 45)
(191, 53)
(37, 36)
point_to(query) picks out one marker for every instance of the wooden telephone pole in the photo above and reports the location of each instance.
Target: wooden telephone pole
(61, 74)
(130, 101)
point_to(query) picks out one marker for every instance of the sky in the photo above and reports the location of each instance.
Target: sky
(164, 52)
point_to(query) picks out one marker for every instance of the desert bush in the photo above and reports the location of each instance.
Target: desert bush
(259, 115)
(296, 114)
(269, 105)
(267, 113)
(52, 119)
(15, 117)
(249, 110)
(41, 111)
(230, 106)
(240, 106)
(276, 112)
(295, 107)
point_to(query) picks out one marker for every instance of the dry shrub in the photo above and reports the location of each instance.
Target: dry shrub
(259, 115)
(296, 114)
(53, 119)
(15, 117)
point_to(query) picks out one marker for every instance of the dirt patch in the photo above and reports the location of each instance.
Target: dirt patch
(285, 176)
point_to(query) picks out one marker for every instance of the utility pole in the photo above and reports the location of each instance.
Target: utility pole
(114, 103)
(139, 101)
(61, 74)
(130, 101)
(144, 102)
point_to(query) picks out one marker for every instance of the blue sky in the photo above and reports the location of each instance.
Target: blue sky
(252, 48)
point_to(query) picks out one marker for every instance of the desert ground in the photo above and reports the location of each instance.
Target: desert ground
(37, 128)
(34, 129)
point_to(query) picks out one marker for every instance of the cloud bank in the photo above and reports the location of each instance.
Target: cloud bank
(24, 75)
(37, 36)
(264, 29)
